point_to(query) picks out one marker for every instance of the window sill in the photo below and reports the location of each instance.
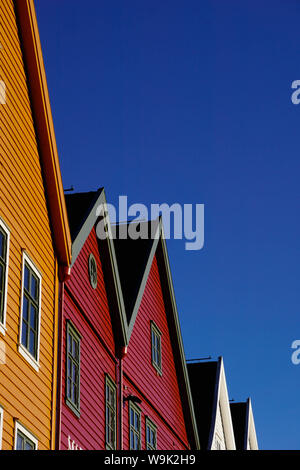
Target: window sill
(157, 369)
(29, 358)
(72, 407)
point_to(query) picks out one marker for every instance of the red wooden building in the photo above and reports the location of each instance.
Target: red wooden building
(122, 375)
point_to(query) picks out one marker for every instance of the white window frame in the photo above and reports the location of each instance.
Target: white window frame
(28, 434)
(152, 426)
(112, 386)
(5, 228)
(34, 362)
(157, 333)
(136, 409)
(1, 425)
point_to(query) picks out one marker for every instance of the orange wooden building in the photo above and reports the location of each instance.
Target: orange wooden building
(35, 243)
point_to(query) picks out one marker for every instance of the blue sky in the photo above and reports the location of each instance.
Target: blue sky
(190, 102)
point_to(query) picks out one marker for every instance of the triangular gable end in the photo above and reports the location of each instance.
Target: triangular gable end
(221, 434)
(251, 438)
(85, 211)
(157, 246)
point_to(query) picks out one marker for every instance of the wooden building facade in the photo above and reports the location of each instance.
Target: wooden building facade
(123, 376)
(34, 236)
(91, 354)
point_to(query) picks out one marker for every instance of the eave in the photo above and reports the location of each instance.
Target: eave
(42, 115)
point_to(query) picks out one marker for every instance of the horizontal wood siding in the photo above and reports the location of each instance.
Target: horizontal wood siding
(93, 301)
(162, 391)
(87, 431)
(24, 393)
(166, 437)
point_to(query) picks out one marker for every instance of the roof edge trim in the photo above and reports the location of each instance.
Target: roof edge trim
(42, 115)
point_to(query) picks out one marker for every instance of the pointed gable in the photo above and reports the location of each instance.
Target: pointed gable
(162, 389)
(203, 377)
(243, 425)
(209, 390)
(148, 293)
(134, 254)
(83, 217)
(239, 419)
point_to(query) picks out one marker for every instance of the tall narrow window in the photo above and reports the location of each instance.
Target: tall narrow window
(156, 347)
(4, 253)
(134, 427)
(73, 368)
(150, 435)
(24, 440)
(31, 312)
(110, 414)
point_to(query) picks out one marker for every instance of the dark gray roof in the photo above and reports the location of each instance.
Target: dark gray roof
(132, 259)
(79, 206)
(203, 377)
(239, 421)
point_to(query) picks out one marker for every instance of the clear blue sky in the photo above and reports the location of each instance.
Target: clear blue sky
(190, 102)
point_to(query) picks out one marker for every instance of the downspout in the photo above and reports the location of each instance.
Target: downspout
(64, 275)
(121, 355)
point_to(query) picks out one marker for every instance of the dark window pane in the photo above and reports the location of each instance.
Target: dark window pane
(24, 334)
(69, 343)
(131, 416)
(75, 349)
(25, 309)
(69, 366)
(20, 442)
(69, 384)
(29, 445)
(34, 288)
(32, 343)
(3, 241)
(33, 317)
(26, 278)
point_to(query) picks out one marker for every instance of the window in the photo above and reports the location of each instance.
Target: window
(93, 271)
(134, 427)
(24, 440)
(30, 312)
(110, 414)
(156, 347)
(73, 369)
(4, 251)
(150, 435)
(1, 426)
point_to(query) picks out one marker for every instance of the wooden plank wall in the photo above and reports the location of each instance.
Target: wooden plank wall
(24, 393)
